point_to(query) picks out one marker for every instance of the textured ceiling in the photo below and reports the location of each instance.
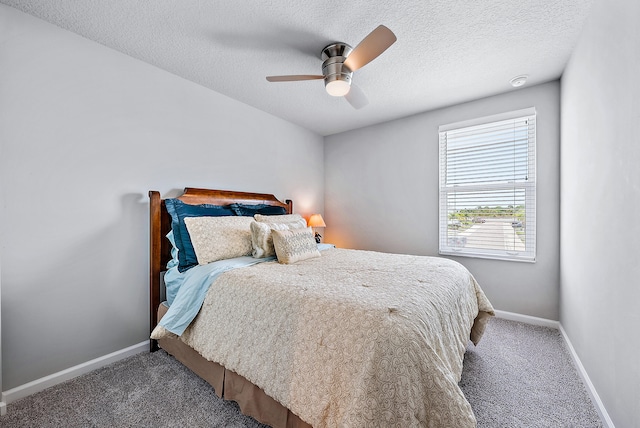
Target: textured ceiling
(448, 51)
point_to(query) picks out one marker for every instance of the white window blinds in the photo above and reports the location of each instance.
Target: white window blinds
(488, 187)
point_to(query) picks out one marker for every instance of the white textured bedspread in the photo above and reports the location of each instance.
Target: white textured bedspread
(349, 339)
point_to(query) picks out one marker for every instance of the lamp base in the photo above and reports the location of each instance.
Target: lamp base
(318, 237)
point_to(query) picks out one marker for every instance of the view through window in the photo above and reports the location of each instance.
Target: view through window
(487, 187)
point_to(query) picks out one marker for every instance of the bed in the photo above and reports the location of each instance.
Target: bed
(344, 338)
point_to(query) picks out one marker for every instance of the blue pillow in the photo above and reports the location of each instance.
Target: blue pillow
(178, 210)
(250, 210)
(174, 251)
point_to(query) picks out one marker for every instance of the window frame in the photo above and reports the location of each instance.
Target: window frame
(445, 246)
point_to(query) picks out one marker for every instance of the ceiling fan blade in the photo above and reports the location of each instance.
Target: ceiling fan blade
(356, 97)
(294, 77)
(370, 48)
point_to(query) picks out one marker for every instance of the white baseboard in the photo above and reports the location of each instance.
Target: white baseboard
(527, 319)
(70, 373)
(595, 398)
(3, 408)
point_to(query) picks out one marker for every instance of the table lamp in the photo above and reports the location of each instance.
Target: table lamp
(316, 221)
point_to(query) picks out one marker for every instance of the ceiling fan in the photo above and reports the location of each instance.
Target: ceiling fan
(341, 60)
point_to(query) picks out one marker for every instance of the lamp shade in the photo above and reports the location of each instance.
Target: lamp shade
(316, 221)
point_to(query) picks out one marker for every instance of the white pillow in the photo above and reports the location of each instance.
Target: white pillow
(261, 239)
(295, 245)
(285, 218)
(219, 238)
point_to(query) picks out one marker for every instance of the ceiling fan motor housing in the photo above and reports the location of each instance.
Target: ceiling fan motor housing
(333, 68)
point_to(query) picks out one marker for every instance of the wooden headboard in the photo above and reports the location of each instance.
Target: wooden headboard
(160, 225)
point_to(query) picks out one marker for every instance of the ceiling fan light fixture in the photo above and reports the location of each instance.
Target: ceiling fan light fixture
(338, 87)
(337, 76)
(340, 61)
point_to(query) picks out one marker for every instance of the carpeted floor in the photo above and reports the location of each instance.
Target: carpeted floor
(519, 376)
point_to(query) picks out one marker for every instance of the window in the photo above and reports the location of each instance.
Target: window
(488, 187)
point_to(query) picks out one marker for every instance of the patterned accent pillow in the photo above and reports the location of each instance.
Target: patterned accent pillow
(261, 239)
(219, 238)
(295, 245)
(285, 218)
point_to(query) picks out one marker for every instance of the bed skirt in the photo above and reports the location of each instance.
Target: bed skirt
(231, 386)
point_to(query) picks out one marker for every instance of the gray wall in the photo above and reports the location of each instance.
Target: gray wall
(85, 132)
(381, 193)
(600, 266)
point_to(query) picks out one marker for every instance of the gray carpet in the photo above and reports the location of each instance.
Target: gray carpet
(519, 376)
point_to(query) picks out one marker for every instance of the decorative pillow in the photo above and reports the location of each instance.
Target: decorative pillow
(285, 218)
(251, 210)
(178, 211)
(261, 239)
(219, 238)
(295, 245)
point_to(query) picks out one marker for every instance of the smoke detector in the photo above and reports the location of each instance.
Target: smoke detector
(518, 81)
